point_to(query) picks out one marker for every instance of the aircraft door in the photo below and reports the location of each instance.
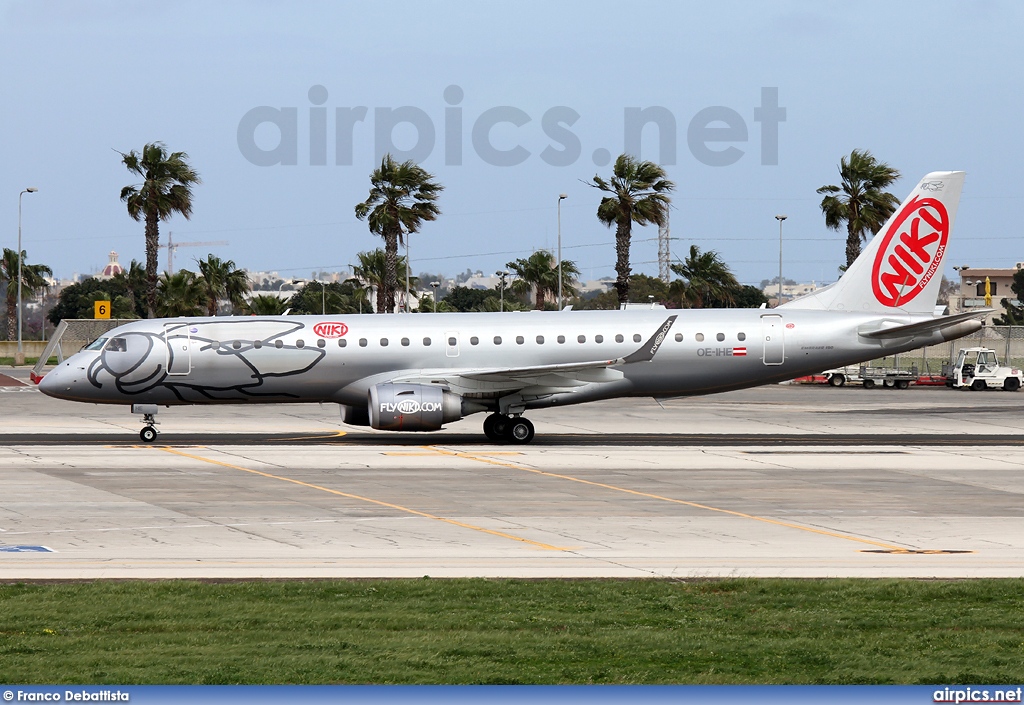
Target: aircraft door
(179, 349)
(451, 343)
(774, 339)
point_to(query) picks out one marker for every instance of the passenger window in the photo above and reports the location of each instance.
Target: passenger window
(405, 342)
(300, 343)
(741, 336)
(619, 338)
(237, 345)
(581, 338)
(474, 340)
(520, 340)
(598, 338)
(561, 339)
(540, 340)
(278, 344)
(383, 342)
(321, 343)
(257, 344)
(699, 337)
(636, 338)
(452, 341)
(362, 342)
(426, 342)
(497, 340)
(342, 342)
(720, 337)
(679, 337)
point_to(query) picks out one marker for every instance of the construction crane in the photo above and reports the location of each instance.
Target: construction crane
(171, 246)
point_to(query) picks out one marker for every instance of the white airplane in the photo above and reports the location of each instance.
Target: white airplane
(419, 372)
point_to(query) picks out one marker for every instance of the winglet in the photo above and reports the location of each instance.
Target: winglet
(650, 348)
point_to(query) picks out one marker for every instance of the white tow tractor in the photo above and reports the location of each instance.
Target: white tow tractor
(978, 368)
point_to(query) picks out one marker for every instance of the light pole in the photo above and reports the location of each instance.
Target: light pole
(21, 354)
(561, 197)
(780, 218)
(501, 274)
(434, 285)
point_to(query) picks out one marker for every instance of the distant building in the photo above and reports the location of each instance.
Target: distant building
(112, 269)
(971, 294)
(789, 291)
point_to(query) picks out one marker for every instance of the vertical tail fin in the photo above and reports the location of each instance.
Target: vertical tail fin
(901, 268)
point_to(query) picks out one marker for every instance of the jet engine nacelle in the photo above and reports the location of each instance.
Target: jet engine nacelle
(412, 407)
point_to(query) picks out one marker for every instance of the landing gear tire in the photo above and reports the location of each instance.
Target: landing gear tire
(519, 431)
(1012, 384)
(495, 426)
(837, 380)
(148, 434)
(978, 385)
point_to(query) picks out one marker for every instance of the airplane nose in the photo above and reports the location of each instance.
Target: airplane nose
(51, 382)
(60, 381)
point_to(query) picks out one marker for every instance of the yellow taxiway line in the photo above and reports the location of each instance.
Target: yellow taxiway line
(396, 507)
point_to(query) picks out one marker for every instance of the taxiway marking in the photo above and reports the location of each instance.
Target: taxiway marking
(743, 515)
(397, 507)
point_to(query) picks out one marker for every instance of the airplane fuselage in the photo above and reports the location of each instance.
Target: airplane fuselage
(338, 358)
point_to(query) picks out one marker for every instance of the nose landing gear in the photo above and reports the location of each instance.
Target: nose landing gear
(149, 433)
(508, 429)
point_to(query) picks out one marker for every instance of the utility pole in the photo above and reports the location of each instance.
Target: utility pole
(664, 257)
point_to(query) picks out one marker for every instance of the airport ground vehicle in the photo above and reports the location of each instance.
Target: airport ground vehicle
(978, 369)
(871, 377)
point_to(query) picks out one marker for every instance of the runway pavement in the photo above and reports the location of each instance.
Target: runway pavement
(775, 481)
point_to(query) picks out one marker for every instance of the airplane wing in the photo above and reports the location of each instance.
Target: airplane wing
(537, 379)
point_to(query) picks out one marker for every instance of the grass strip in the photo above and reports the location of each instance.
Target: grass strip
(514, 631)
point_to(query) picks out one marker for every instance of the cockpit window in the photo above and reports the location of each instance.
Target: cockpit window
(96, 344)
(117, 345)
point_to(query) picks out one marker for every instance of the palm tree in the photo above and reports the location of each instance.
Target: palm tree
(222, 280)
(266, 305)
(181, 294)
(402, 196)
(863, 205)
(371, 273)
(133, 278)
(707, 280)
(33, 279)
(539, 273)
(166, 189)
(639, 195)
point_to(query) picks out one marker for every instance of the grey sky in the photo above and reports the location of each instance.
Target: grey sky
(924, 86)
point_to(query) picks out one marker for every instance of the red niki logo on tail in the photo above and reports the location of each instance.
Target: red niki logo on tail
(330, 330)
(911, 251)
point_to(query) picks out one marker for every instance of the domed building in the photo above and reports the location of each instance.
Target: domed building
(112, 269)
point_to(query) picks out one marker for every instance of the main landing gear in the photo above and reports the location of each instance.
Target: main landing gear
(508, 429)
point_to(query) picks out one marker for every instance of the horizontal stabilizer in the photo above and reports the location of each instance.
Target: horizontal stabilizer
(927, 327)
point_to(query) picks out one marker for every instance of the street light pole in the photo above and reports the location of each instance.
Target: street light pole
(323, 298)
(21, 354)
(561, 197)
(780, 218)
(434, 285)
(501, 273)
